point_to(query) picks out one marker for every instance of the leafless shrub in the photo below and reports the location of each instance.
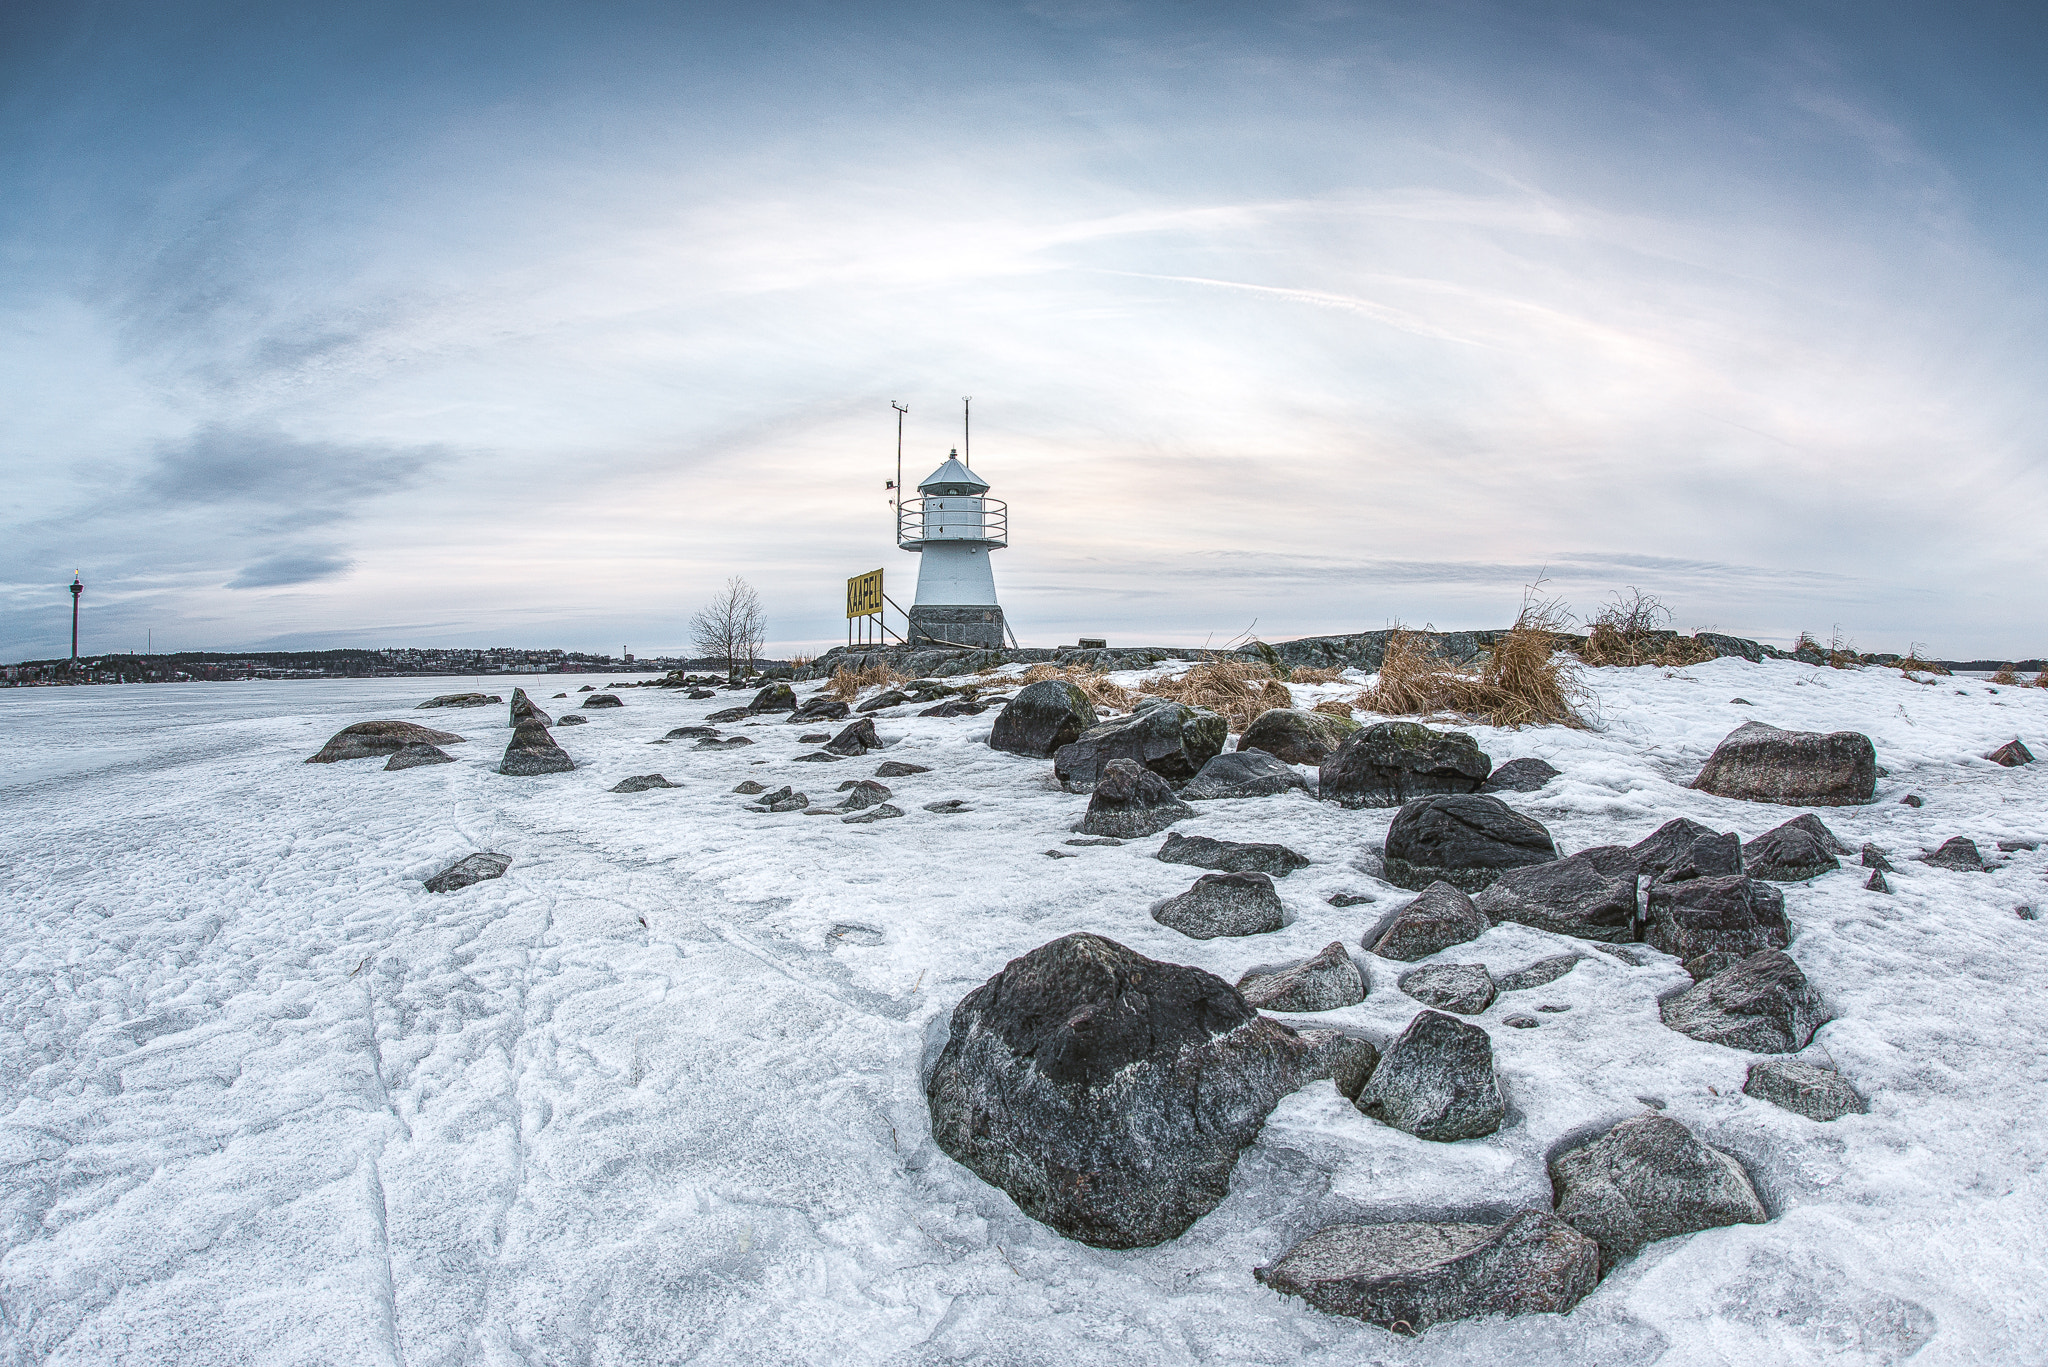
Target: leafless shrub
(1912, 663)
(731, 627)
(1632, 629)
(2041, 679)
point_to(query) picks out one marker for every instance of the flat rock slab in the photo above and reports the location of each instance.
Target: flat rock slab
(461, 700)
(1440, 917)
(474, 868)
(1803, 1088)
(375, 739)
(640, 783)
(1649, 1178)
(1465, 839)
(1466, 989)
(1566, 896)
(1437, 1082)
(882, 811)
(1519, 776)
(1394, 762)
(728, 743)
(1409, 1276)
(1759, 763)
(1538, 974)
(1326, 982)
(1763, 1004)
(1230, 856)
(728, 714)
(1244, 773)
(691, 733)
(416, 754)
(1223, 904)
(896, 768)
(1297, 736)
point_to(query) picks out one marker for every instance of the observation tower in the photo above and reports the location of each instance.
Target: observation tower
(955, 527)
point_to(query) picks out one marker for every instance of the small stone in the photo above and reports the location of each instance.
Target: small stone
(1522, 1022)
(642, 782)
(863, 793)
(896, 768)
(728, 714)
(1437, 1081)
(1816, 1093)
(2012, 754)
(1060, 854)
(417, 753)
(1741, 702)
(1876, 882)
(951, 806)
(1223, 904)
(1538, 974)
(573, 720)
(819, 708)
(1913, 800)
(1350, 899)
(1464, 988)
(474, 868)
(1326, 982)
(1874, 858)
(457, 700)
(1957, 853)
(1440, 917)
(691, 733)
(1649, 1178)
(1519, 776)
(749, 786)
(888, 698)
(956, 707)
(873, 814)
(856, 739)
(1229, 856)
(1093, 840)
(1553, 1008)
(602, 700)
(814, 738)
(817, 757)
(729, 743)
(2026, 913)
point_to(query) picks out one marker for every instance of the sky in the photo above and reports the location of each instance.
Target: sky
(466, 325)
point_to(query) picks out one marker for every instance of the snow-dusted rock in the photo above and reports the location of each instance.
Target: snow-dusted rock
(1440, 917)
(417, 753)
(1242, 773)
(1130, 802)
(1465, 839)
(1296, 735)
(1568, 896)
(1519, 776)
(776, 697)
(1437, 1081)
(640, 783)
(1875, 858)
(374, 739)
(1814, 1092)
(857, 738)
(1223, 904)
(532, 750)
(1408, 1276)
(728, 714)
(1759, 763)
(1733, 916)
(1230, 856)
(1763, 1004)
(1107, 1093)
(1466, 989)
(1325, 982)
(1958, 853)
(1790, 853)
(1394, 762)
(1171, 739)
(1649, 1178)
(1042, 717)
(473, 868)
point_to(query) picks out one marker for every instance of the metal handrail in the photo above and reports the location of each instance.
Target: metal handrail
(992, 528)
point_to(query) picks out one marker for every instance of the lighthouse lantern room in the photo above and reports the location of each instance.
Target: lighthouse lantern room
(955, 527)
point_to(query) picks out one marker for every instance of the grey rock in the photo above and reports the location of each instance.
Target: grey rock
(1519, 776)
(856, 739)
(1538, 974)
(1244, 773)
(603, 700)
(1325, 982)
(640, 783)
(728, 714)
(474, 868)
(1130, 802)
(2012, 754)
(1670, 843)
(1440, 917)
(817, 757)
(888, 698)
(1521, 1022)
(533, 751)
(776, 697)
(1464, 839)
(1230, 856)
(1646, 1179)
(1041, 718)
(1759, 763)
(1913, 800)
(728, 743)
(1763, 1004)
(1108, 1094)
(1816, 1093)
(376, 739)
(1339, 1056)
(1171, 739)
(882, 812)
(1394, 762)
(1437, 1081)
(896, 768)
(1818, 829)
(526, 709)
(786, 801)
(1350, 899)
(814, 738)
(1093, 840)
(1223, 904)
(1464, 988)
(1566, 896)
(1711, 856)
(416, 754)
(862, 794)
(1874, 858)
(1788, 854)
(1876, 882)
(956, 707)
(573, 720)
(749, 786)
(458, 700)
(951, 806)
(819, 708)
(1733, 915)
(1408, 1276)
(1296, 735)
(1958, 853)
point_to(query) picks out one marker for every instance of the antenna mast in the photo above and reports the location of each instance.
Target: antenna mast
(897, 502)
(967, 428)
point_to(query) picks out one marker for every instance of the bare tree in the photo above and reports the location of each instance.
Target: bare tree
(731, 627)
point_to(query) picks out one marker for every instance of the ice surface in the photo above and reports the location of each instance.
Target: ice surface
(653, 1096)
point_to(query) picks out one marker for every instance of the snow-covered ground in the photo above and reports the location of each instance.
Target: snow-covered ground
(654, 1096)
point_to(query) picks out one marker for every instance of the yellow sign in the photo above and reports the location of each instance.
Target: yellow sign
(864, 595)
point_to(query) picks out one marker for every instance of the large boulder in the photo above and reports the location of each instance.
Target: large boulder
(1325, 982)
(526, 709)
(1519, 776)
(533, 751)
(1816, 1093)
(1566, 896)
(1393, 762)
(1759, 763)
(776, 697)
(1171, 739)
(1721, 920)
(1649, 1178)
(375, 739)
(1437, 1081)
(1440, 917)
(1243, 773)
(1763, 1004)
(1131, 802)
(856, 738)
(1042, 717)
(1107, 1093)
(1223, 904)
(819, 707)
(1295, 735)
(416, 754)
(1408, 1276)
(1229, 856)
(1788, 854)
(472, 868)
(1667, 845)
(1465, 839)
(1466, 989)
(599, 701)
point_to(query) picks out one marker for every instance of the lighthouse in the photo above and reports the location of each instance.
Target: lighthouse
(955, 527)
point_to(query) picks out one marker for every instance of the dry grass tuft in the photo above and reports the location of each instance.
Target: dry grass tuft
(2008, 677)
(1912, 664)
(1523, 683)
(1232, 686)
(1335, 708)
(1633, 630)
(1091, 681)
(2041, 679)
(1314, 674)
(848, 684)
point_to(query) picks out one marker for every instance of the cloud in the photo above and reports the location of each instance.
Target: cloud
(221, 464)
(290, 568)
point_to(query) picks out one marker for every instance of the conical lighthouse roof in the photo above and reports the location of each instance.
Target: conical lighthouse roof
(953, 478)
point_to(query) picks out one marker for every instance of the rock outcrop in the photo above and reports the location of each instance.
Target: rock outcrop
(1759, 763)
(1394, 762)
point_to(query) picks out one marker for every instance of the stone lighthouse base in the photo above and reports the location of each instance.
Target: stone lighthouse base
(980, 627)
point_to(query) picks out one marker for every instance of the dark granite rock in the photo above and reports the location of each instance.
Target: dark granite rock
(1818, 829)
(1223, 904)
(474, 868)
(776, 697)
(880, 812)
(862, 794)
(1464, 988)
(1296, 735)
(1876, 882)
(1816, 1093)
(1230, 856)
(1131, 802)
(1325, 982)
(1350, 899)
(786, 800)
(640, 783)
(956, 707)
(1244, 773)
(1437, 1081)
(750, 787)
(952, 806)
(1440, 917)
(573, 720)
(602, 700)
(1874, 858)
(1041, 718)
(814, 738)
(691, 733)
(1171, 739)
(1759, 763)
(1763, 1004)
(1732, 915)
(1958, 853)
(1670, 843)
(1464, 839)
(416, 754)
(376, 739)
(1519, 776)
(728, 714)
(1646, 1179)
(896, 768)
(1566, 896)
(2012, 754)
(1408, 1276)
(817, 757)
(525, 709)
(820, 707)
(856, 739)
(728, 743)
(458, 700)
(1340, 1056)
(1537, 974)
(1394, 762)
(533, 751)
(887, 698)
(1788, 854)
(1108, 1094)
(1913, 800)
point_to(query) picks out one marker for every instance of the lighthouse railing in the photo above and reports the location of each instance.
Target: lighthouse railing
(954, 517)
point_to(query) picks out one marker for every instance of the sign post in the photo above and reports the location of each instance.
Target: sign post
(864, 602)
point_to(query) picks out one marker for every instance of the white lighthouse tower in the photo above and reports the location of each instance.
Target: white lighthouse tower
(955, 527)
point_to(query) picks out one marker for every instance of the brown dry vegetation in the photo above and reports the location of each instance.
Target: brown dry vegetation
(1091, 681)
(1523, 682)
(1313, 674)
(1237, 688)
(1630, 630)
(1913, 664)
(848, 684)
(2006, 676)
(1335, 708)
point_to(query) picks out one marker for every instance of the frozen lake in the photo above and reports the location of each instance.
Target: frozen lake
(654, 1096)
